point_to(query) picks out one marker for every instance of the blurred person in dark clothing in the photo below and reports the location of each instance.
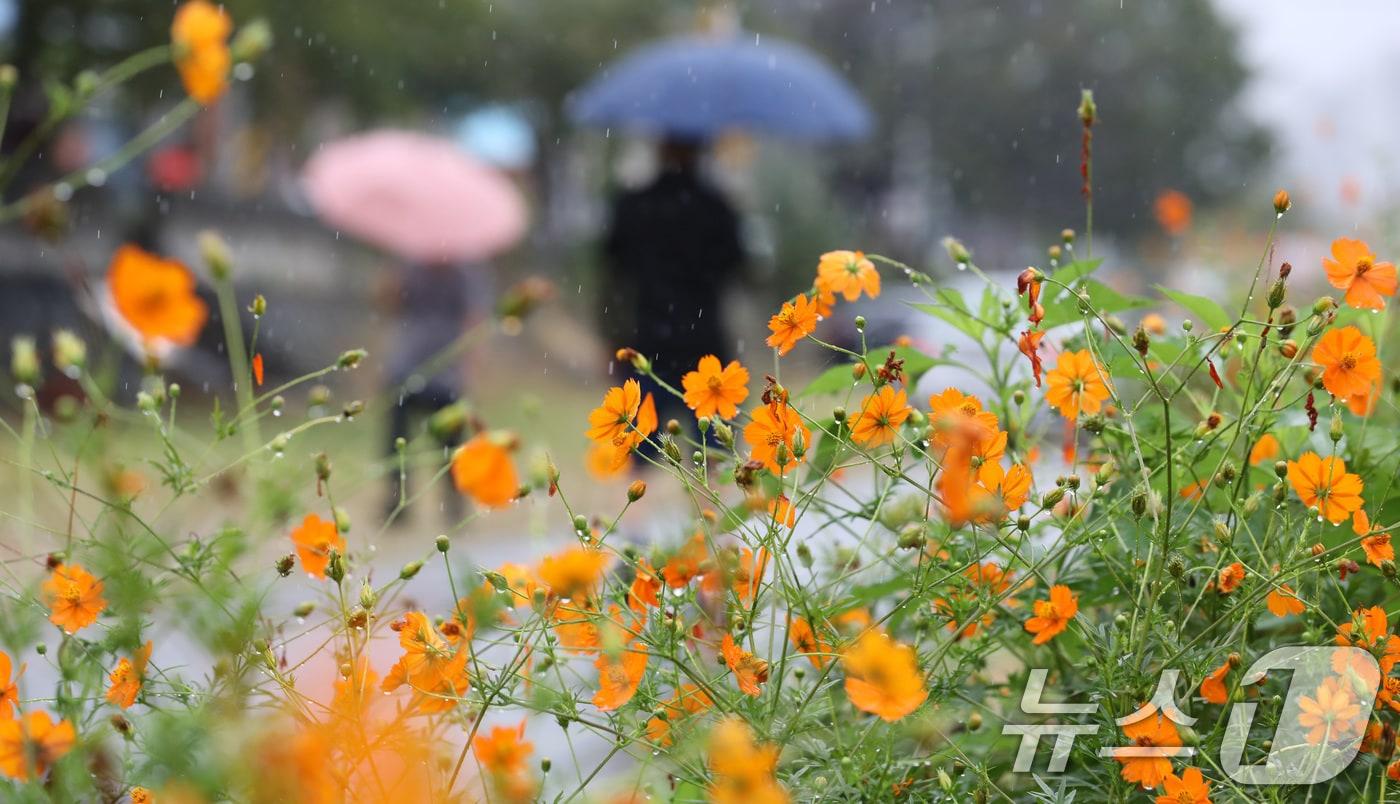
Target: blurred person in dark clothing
(672, 248)
(432, 304)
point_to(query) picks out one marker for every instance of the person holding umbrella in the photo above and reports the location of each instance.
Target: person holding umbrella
(670, 250)
(674, 244)
(442, 215)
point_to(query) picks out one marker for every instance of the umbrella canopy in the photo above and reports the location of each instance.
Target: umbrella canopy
(699, 87)
(417, 196)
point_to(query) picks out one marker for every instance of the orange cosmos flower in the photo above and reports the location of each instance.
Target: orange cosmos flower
(1029, 344)
(573, 573)
(783, 511)
(646, 588)
(1077, 384)
(1213, 688)
(502, 753)
(1349, 363)
(481, 468)
(1052, 616)
(956, 418)
(1230, 578)
(314, 541)
(805, 640)
(32, 743)
(604, 461)
(1152, 731)
(128, 676)
(9, 690)
(619, 675)
(156, 296)
(1282, 601)
(352, 692)
(749, 670)
(882, 677)
(140, 795)
(199, 39)
(1377, 546)
(1324, 484)
(796, 320)
(1265, 449)
(1173, 211)
(687, 562)
(1353, 268)
(74, 598)
(711, 390)
(881, 415)
(770, 426)
(742, 768)
(624, 418)
(1331, 714)
(1009, 492)
(429, 666)
(1369, 629)
(848, 273)
(503, 749)
(1365, 404)
(258, 368)
(688, 700)
(1188, 788)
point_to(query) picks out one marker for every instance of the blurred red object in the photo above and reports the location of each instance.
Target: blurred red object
(174, 168)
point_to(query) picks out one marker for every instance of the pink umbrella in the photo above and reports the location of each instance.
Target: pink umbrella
(417, 196)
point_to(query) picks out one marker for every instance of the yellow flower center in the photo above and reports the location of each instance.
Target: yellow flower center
(1363, 265)
(714, 383)
(1348, 361)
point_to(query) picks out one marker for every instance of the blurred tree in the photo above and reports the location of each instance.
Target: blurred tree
(989, 91)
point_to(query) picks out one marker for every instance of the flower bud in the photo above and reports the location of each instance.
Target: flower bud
(253, 40)
(804, 554)
(1053, 496)
(1088, 110)
(957, 252)
(1281, 469)
(69, 353)
(781, 456)
(335, 568)
(367, 595)
(1277, 293)
(285, 564)
(24, 360)
(911, 536)
(860, 323)
(342, 519)
(672, 451)
(259, 306)
(724, 434)
(1282, 203)
(1176, 565)
(304, 609)
(636, 490)
(638, 360)
(351, 358)
(673, 426)
(1187, 326)
(1317, 550)
(1324, 304)
(838, 414)
(1336, 431)
(1289, 349)
(442, 543)
(799, 445)
(1388, 568)
(410, 569)
(352, 409)
(323, 466)
(857, 371)
(214, 251)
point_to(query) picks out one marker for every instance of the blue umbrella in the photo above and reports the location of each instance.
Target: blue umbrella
(699, 87)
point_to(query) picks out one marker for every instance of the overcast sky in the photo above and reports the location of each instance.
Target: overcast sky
(1326, 82)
